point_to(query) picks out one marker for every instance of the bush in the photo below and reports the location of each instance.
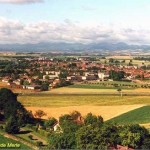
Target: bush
(50, 123)
(39, 143)
(30, 137)
(43, 133)
(35, 128)
(29, 126)
(1, 127)
(12, 126)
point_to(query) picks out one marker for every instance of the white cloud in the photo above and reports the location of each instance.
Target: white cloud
(12, 31)
(20, 1)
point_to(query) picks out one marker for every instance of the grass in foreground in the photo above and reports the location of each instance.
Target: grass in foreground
(137, 116)
(79, 100)
(4, 140)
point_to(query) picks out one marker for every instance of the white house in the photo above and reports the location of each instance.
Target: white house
(57, 128)
(102, 76)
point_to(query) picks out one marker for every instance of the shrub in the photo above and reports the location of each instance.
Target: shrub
(30, 137)
(12, 126)
(39, 143)
(43, 133)
(35, 128)
(49, 123)
(1, 127)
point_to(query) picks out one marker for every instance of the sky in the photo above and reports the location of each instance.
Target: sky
(75, 21)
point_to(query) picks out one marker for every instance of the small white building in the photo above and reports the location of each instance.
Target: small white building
(57, 128)
(71, 78)
(31, 87)
(17, 82)
(5, 80)
(102, 76)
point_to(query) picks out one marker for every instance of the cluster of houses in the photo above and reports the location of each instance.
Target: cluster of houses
(76, 70)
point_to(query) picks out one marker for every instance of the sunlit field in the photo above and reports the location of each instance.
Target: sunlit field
(78, 100)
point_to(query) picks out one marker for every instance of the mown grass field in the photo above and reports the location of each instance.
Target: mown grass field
(127, 60)
(4, 140)
(91, 86)
(95, 89)
(46, 100)
(137, 116)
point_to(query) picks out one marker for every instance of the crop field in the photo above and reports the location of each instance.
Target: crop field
(44, 100)
(95, 89)
(137, 116)
(107, 112)
(119, 57)
(106, 106)
(127, 60)
(96, 86)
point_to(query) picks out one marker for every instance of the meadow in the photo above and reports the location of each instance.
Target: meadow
(97, 89)
(97, 86)
(48, 100)
(137, 116)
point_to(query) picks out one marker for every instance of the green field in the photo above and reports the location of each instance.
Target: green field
(137, 116)
(96, 86)
(79, 100)
(4, 140)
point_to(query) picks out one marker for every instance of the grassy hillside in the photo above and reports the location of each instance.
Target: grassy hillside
(137, 116)
(7, 142)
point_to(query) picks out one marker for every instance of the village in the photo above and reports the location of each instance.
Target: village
(44, 73)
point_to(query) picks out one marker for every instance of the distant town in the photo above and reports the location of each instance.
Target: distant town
(45, 71)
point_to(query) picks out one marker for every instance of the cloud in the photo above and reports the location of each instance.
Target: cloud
(21, 1)
(13, 31)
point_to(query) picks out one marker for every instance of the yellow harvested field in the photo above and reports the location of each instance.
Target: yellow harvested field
(120, 57)
(146, 125)
(107, 112)
(65, 90)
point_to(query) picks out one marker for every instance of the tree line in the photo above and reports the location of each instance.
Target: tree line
(94, 133)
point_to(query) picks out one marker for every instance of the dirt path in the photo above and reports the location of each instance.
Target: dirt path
(107, 112)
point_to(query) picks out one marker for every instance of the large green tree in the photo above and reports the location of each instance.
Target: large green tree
(116, 75)
(88, 137)
(132, 136)
(12, 125)
(11, 108)
(94, 120)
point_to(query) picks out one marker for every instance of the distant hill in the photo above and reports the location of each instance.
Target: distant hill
(65, 47)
